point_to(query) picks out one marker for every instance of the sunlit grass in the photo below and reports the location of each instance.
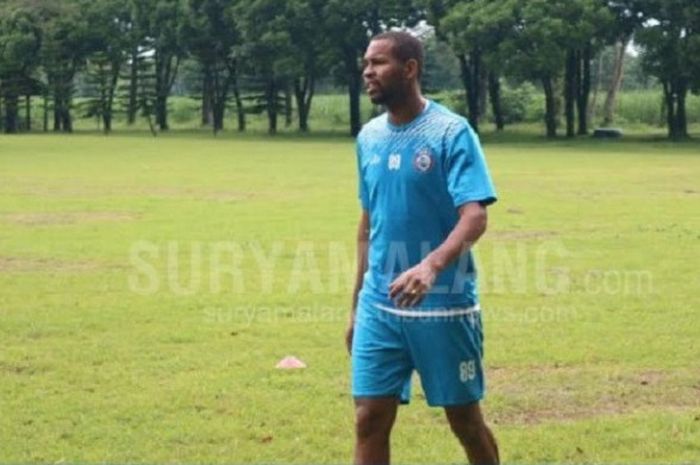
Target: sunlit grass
(588, 273)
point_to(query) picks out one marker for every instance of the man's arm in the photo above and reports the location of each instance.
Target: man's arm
(362, 250)
(410, 287)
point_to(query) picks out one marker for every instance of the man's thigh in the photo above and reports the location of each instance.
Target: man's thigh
(381, 362)
(448, 354)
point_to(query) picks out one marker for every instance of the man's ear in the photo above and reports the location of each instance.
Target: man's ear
(411, 68)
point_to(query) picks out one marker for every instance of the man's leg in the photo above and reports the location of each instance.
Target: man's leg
(469, 426)
(374, 418)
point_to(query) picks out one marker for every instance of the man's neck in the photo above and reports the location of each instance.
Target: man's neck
(407, 110)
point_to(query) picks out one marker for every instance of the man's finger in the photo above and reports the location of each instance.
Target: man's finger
(415, 298)
(396, 287)
(401, 300)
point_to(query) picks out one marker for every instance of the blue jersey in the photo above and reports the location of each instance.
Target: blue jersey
(412, 179)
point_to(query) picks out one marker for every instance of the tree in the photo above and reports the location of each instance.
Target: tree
(584, 21)
(65, 46)
(535, 50)
(627, 18)
(111, 24)
(134, 36)
(476, 31)
(451, 19)
(349, 26)
(310, 52)
(20, 41)
(441, 69)
(669, 38)
(160, 24)
(213, 38)
(267, 47)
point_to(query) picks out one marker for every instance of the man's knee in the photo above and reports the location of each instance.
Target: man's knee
(467, 424)
(469, 432)
(374, 418)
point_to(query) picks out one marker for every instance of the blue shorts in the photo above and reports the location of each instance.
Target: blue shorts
(445, 347)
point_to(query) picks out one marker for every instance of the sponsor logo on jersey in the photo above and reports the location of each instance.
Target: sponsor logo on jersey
(423, 161)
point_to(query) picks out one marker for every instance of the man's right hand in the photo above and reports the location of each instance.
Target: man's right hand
(349, 332)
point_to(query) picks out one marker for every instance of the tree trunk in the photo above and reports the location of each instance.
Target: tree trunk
(221, 83)
(550, 115)
(111, 90)
(219, 102)
(483, 78)
(240, 111)
(166, 71)
(681, 117)
(670, 109)
(11, 111)
(594, 100)
(570, 91)
(206, 95)
(675, 93)
(107, 121)
(132, 104)
(28, 113)
(57, 102)
(62, 119)
(271, 97)
(46, 110)
(162, 112)
(615, 81)
(304, 92)
(63, 88)
(66, 120)
(288, 106)
(354, 89)
(218, 113)
(495, 97)
(469, 72)
(161, 103)
(584, 88)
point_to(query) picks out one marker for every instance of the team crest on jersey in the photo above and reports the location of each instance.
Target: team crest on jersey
(423, 161)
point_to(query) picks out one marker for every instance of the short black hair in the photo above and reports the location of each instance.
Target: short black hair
(405, 47)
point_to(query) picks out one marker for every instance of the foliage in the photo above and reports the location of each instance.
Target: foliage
(20, 42)
(263, 52)
(671, 41)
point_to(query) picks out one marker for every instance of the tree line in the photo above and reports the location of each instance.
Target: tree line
(256, 56)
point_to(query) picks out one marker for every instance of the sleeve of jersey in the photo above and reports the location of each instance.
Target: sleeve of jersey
(361, 186)
(468, 178)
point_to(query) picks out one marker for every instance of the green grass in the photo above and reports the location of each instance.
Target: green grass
(589, 272)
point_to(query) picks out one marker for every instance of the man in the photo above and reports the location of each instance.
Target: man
(424, 187)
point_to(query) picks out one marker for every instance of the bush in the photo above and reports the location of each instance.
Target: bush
(515, 102)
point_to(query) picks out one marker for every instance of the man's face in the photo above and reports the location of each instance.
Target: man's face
(384, 75)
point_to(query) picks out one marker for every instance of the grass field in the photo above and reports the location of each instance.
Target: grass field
(121, 344)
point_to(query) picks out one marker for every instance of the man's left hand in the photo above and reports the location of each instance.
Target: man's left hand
(411, 286)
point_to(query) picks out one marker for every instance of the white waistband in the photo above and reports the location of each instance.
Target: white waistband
(430, 313)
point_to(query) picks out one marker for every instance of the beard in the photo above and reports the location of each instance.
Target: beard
(379, 97)
(386, 95)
